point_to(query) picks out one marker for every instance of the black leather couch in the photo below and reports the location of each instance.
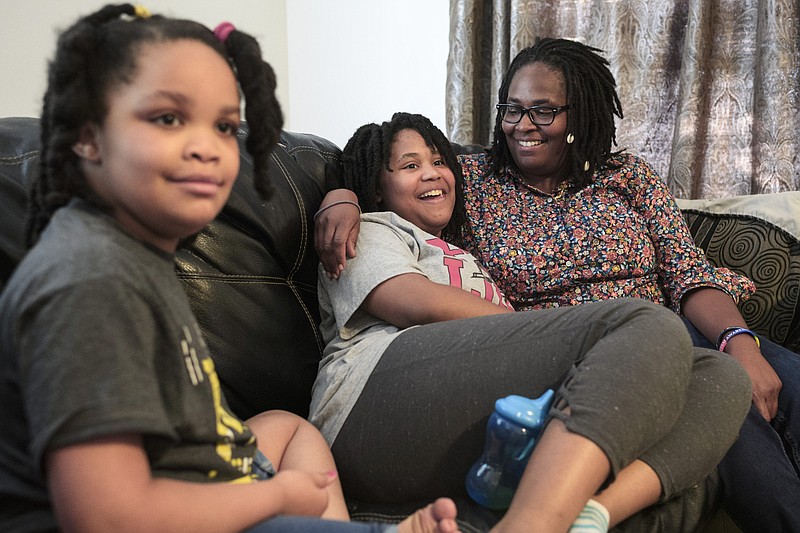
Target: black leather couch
(251, 278)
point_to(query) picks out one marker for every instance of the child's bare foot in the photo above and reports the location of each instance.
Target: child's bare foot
(437, 517)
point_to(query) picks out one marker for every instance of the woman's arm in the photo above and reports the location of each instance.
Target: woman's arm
(105, 485)
(711, 310)
(696, 288)
(336, 230)
(681, 264)
(412, 299)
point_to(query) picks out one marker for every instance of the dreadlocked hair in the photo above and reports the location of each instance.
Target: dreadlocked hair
(69, 102)
(262, 110)
(99, 52)
(592, 98)
(366, 155)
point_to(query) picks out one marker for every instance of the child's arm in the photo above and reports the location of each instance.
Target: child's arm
(105, 485)
(412, 299)
(336, 230)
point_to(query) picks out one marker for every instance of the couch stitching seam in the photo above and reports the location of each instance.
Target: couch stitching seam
(12, 160)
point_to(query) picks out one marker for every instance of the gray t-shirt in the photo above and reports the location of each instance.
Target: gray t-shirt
(97, 338)
(388, 246)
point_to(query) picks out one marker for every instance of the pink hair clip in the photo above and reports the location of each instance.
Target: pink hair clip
(222, 31)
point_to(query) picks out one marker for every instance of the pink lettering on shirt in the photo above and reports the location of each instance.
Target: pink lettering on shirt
(455, 269)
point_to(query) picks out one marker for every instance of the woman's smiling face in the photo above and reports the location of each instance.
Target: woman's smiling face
(539, 152)
(420, 186)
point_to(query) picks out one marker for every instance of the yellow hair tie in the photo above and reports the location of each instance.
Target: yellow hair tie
(141, 11)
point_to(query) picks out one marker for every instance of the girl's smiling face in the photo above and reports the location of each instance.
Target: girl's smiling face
(165, 158)
(420, 187)
(539, 152)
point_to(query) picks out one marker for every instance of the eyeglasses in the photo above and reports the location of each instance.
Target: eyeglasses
(541, 115)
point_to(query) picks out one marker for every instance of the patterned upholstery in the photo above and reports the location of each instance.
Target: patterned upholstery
(756, 236)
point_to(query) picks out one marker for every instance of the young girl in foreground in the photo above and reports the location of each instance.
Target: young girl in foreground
(113, 415)
(636, 404)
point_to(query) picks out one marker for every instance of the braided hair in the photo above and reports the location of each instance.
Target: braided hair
(366, 155)
(592, 98)
(99, 52)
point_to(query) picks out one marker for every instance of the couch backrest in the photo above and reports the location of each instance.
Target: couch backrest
(19, 159)
(250, 276)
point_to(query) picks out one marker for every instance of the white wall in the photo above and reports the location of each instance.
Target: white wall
(358, 61)
(339, 63)
(28, 31)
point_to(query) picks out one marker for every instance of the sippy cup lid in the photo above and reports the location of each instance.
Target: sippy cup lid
(528, 412)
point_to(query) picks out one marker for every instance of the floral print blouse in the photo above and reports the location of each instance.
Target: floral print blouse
(621, 236)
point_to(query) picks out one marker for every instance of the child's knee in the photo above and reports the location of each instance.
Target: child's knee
(276, 422)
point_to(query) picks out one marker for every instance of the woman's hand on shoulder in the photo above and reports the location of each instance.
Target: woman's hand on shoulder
(336, 230)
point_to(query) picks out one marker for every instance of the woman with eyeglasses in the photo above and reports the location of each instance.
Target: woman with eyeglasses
(558, 218)
(594, 224)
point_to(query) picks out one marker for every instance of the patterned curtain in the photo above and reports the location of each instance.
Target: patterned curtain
(710, 89)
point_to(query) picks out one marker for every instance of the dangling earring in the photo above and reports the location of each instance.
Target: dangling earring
(586, 166)
(570, 138)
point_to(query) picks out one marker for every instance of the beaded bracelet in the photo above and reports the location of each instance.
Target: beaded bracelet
(321, 209)
(737, 331)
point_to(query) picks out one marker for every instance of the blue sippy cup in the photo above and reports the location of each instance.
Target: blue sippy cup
(511, 433)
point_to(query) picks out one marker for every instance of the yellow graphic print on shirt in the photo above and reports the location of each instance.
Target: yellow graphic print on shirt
(228, 426)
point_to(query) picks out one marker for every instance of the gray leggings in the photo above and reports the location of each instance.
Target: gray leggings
(626, 368)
